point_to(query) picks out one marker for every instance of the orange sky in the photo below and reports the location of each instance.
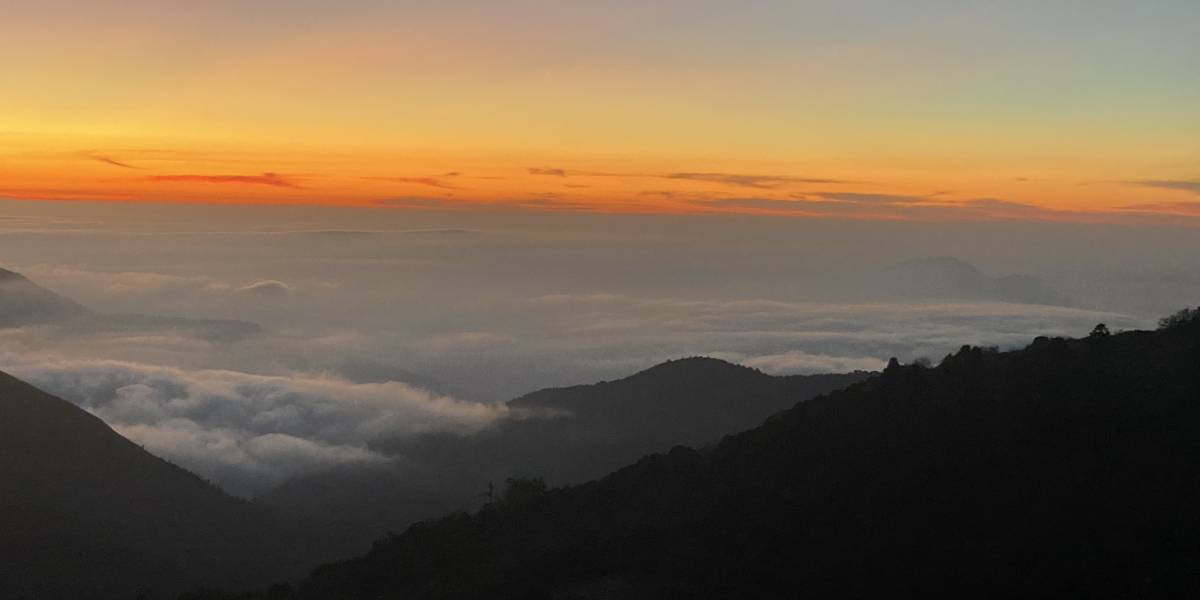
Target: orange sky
(857, 110)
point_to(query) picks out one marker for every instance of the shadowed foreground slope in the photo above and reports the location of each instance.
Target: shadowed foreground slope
(1068, 468)
(85, 513)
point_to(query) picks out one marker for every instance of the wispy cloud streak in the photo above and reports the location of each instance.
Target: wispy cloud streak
(750, 181)
(268, 179)
(743, 180)
(111, 161)
(427, 181)
(1171, 184)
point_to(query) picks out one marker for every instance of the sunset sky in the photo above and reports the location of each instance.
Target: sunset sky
(936, 109)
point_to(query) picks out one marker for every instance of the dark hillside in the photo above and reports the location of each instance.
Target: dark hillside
(85, 513)
(1068, 468)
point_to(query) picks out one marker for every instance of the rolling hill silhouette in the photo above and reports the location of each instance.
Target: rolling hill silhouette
(566, 435)
(85, 513)
(1067, 468)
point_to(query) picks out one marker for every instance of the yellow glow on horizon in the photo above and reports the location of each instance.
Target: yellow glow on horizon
(101, 167)
(947, 116)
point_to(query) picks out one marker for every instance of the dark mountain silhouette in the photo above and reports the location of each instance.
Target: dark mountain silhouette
(1065, 469)
(85, 513)
(566, 435)
(951, 278)
(24, 303)
(691, 401)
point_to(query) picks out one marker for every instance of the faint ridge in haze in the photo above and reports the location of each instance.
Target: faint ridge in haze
(25, 303)
(946, 277)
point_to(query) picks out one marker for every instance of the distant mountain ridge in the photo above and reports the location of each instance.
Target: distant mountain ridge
(1065, 469)
(689, 401)
(692, 371)
(24, 303)
(947, 277)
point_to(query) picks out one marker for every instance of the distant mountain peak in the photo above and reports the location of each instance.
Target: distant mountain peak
(693, 365)
(939, 268)
(676, 372)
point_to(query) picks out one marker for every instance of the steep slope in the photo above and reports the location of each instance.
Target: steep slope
(565, 435)
(1068, 468)
(84, 513)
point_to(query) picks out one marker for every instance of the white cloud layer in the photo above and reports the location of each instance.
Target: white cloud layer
(245, 431)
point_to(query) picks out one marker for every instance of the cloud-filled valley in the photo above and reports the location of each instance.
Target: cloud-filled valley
(369, 328)
(245, 431)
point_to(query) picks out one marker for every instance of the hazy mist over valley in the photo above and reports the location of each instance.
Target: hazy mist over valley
(356, 323)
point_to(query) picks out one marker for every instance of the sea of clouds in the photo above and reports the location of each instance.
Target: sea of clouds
(385, 325)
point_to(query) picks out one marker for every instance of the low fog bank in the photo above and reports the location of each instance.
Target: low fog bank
(377, 322)
(245, 431)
